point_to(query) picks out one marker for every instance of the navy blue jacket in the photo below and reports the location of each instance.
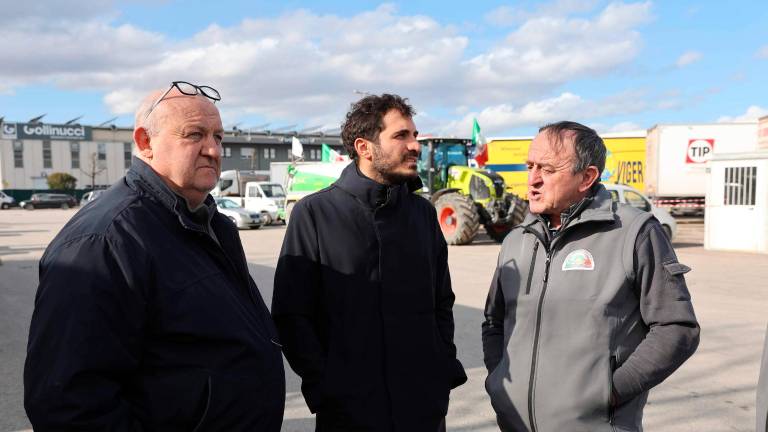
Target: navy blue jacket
(143, 321)
(363, 304)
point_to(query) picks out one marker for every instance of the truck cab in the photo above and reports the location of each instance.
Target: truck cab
(266, 198)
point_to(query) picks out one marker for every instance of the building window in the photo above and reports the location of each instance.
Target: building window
(47, 155)
(74, 154)
(102, 149)
(18, 154)
(269, 153)
(226, 152)
(246, 153)
(127, 154)
(740, 186)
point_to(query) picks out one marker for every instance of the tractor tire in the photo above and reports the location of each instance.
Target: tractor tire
(519, 208)
(498, 232)
(458, 218)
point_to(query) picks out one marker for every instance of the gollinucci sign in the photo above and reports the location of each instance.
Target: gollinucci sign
(44, 131)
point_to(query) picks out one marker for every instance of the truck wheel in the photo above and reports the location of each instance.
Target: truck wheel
(266, 219)
(458, 218)
(5, 206)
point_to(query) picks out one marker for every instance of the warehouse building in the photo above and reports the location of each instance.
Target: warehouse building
(98, 156)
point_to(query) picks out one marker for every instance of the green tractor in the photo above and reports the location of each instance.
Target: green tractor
(466, 197)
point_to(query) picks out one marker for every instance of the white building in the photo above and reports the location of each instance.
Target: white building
(30, 152)
(736, 217)
(100, 156)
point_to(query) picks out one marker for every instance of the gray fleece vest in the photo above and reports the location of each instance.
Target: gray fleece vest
(572, 318)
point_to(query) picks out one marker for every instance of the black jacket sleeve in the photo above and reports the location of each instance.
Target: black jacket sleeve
(84, 340)
(493, 326)
(665, 305)
(444, 308)
(296, 297)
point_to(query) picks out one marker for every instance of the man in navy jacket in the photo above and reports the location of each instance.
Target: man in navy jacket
(363, 300)
(146, 318)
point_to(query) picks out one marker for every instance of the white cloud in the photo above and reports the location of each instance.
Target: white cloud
(303, 67)
(753, 113)
(547, 51)
(567, 106)
(762, 53)
(505, 15)
(687, 58)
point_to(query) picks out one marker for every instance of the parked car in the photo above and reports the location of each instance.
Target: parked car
(90, 196)
(7, 201)
(241, 217)
(628, 195)
(49, 200)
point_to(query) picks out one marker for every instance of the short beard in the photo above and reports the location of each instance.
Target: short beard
(385, 169)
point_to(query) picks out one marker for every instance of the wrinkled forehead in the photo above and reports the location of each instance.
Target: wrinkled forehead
(562, 141)
(549, 147)
(181, 107)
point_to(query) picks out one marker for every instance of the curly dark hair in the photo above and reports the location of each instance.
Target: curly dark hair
(365, 119)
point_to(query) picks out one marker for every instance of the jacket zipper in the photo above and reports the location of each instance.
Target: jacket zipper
(534, 357)
(381, 294)
(611, 408)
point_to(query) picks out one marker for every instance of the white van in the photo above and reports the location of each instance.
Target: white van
(6, 201)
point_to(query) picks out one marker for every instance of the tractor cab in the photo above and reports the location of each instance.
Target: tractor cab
(465, 197)
(438, 156)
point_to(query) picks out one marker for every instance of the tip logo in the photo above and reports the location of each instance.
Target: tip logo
(579, 259)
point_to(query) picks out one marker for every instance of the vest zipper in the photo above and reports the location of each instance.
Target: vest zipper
(531, 268)
(534, 357)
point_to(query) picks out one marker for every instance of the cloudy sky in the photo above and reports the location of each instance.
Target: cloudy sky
(512, 65)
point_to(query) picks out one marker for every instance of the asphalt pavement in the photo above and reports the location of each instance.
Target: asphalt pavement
(714, 391)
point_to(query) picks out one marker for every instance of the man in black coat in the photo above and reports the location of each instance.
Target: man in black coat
(362, 297)
(145, 317)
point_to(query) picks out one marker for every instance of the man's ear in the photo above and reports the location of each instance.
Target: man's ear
(142, 140)
(588, 178)
(363, 148)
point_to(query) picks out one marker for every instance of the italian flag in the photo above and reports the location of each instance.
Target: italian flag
(481, 147)
(331, 155)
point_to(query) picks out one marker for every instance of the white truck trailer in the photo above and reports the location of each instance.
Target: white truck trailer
(677, 169)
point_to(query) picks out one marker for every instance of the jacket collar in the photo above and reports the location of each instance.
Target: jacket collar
(142, 177)
(597, 206)
(369, 192)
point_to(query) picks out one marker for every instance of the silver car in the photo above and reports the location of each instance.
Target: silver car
(628, 195)
(242, 218)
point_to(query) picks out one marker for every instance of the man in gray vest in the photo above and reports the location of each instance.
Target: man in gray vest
(588, 308)
(762, 391)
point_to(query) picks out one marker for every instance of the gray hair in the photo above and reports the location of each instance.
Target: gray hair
(588, 146)
(141, 120)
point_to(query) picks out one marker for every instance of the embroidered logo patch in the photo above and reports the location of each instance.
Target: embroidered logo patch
(579, 259)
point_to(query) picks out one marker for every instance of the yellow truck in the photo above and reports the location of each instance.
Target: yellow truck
(624, 164)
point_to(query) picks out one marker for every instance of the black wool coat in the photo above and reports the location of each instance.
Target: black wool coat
(363, 305)
(144, 322)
